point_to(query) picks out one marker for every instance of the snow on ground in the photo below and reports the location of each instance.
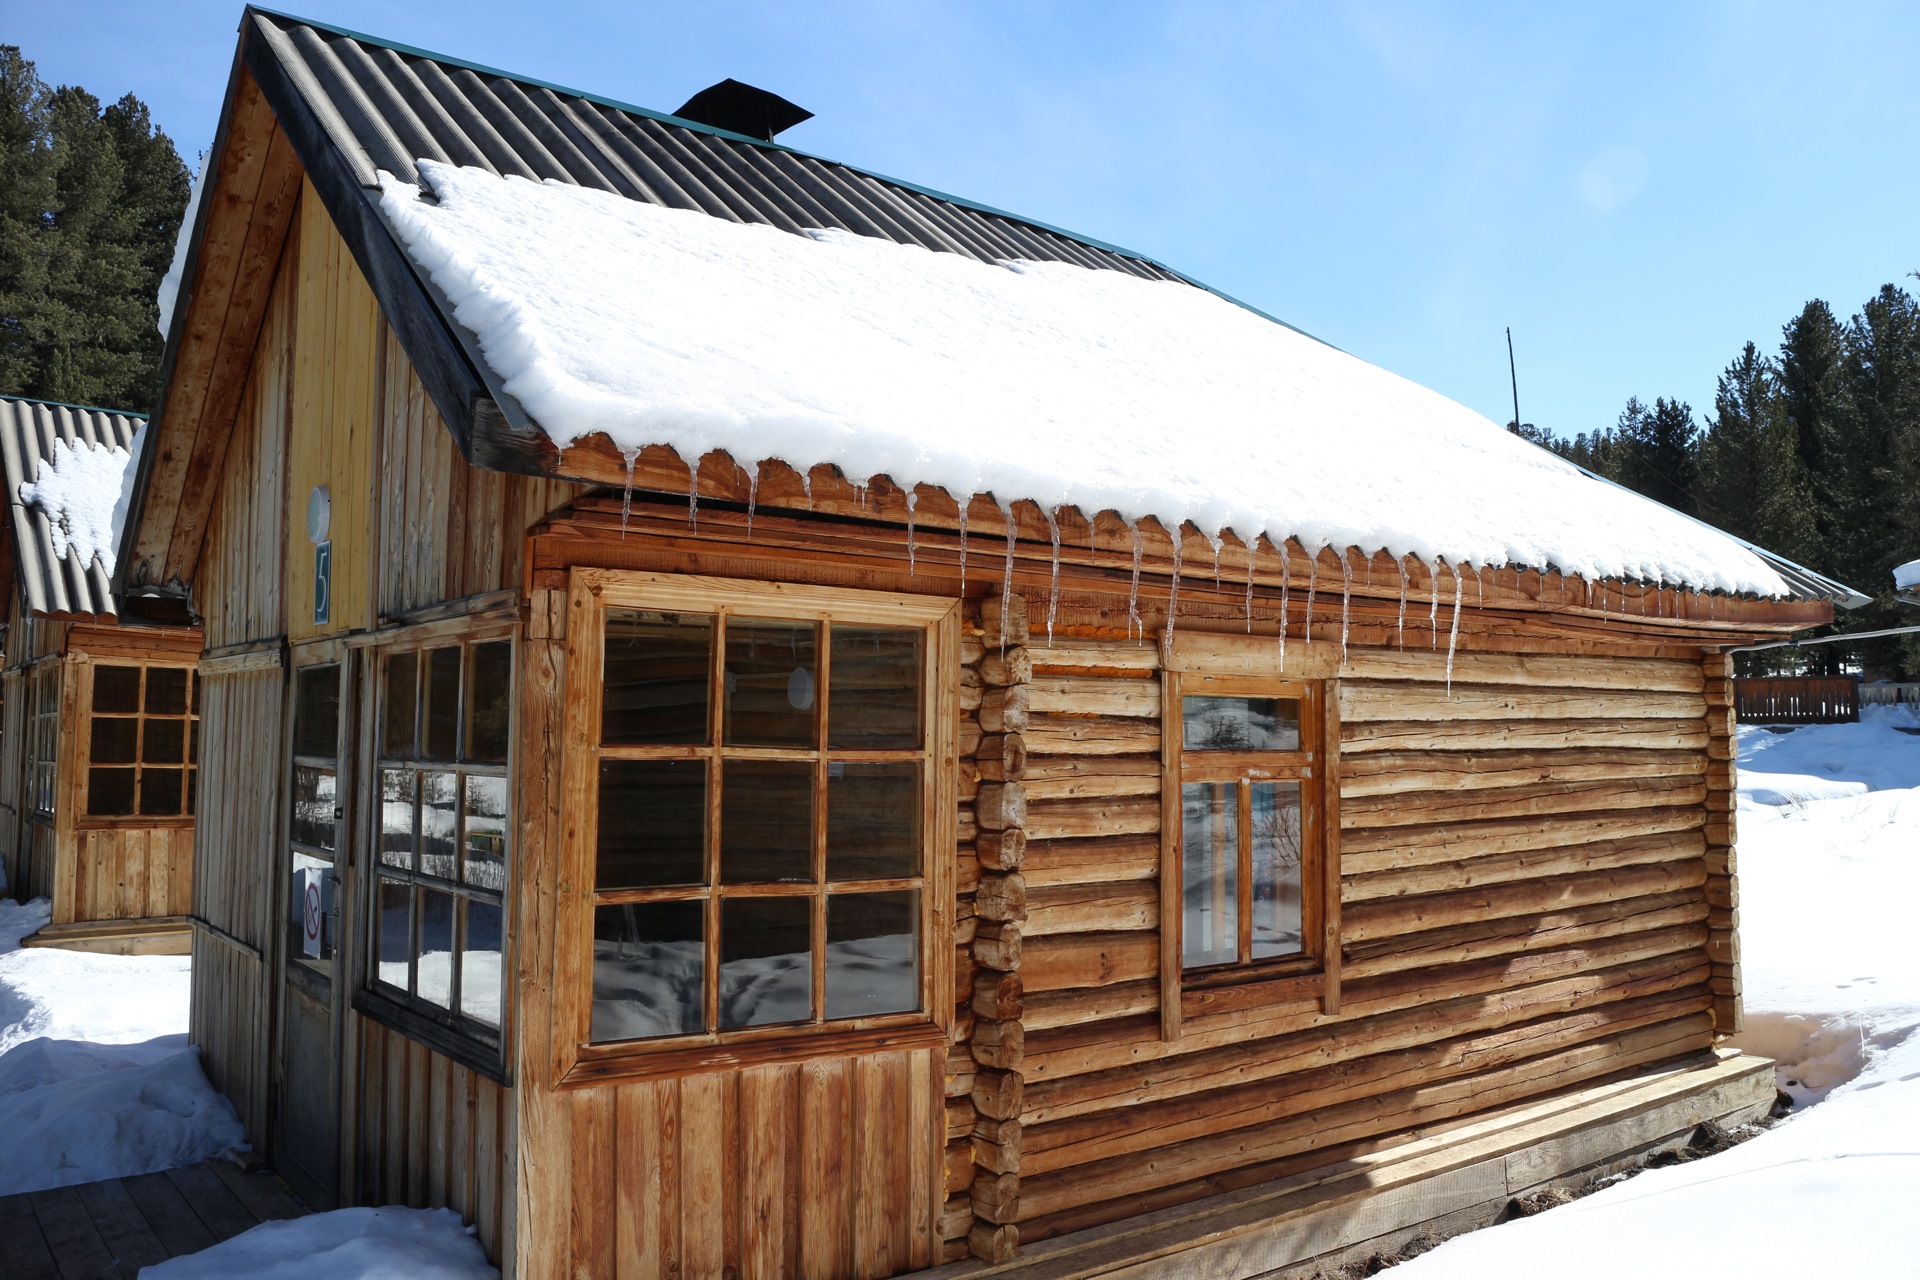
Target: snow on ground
(1829, 882)
(96, 1077)
(1026, 380)
(347, 1244)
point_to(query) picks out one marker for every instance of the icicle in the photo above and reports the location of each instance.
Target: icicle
(1216, 562)
(1250, 547)
(860, 495)
(964, 504)
(913, 496)
(1286, 573)
(626, 497)
(1433, 608)
(1313, 584)
(1346, 598)
(1006, 583)
(1453, 636)
(1480, 585)
(753, 499)
(1400, 563)
(1053, 584)
(1134, 629)
(693, 495)
(1173, 591)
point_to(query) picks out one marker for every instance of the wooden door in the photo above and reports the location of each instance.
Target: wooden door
(313, 954)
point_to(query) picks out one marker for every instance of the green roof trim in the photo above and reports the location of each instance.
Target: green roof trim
(68, 404)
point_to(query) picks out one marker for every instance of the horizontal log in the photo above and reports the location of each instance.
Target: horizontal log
(1414, 807)
(1092, 736)
(1482, 938)
(1055, 1093)
(1093, 908)
(1527, 864)
(1522, 734)
(1073, 777)
(1094, 696)
(1092, 817)
(1064, 654)
(1142, 1124)
(1398, 701)
(1396, 848)
(1532, 670)
(1081, 1005)
(1123, 1177)
(1395, 772)
(1089, 959)
(1058, 862)
(1390, 916)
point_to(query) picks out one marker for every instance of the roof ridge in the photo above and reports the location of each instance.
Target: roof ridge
(68, 404)
(696, 126)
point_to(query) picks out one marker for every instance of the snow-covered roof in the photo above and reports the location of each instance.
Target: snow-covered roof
(1907, 576)
(66, 469)
(1045, 381)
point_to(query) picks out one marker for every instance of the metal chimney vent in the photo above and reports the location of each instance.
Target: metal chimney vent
(741, 108)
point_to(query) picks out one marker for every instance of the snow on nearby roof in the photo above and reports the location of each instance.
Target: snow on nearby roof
(83, 489)
(1025, 380)
(170, 283)
(1907, 576)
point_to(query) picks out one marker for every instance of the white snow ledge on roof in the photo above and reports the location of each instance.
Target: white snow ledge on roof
(1037, 380)
(82, 489)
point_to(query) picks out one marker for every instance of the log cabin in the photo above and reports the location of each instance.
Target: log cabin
(695, 783)
(98, 741)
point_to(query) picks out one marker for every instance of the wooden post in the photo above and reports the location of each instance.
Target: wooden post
(998, 1042)
(1723, 884)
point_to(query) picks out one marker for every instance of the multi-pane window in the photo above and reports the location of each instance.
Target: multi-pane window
(142, 741)
(1246, 776)
(762, 806)
(314, 825)
(43, 741)
(441, 856)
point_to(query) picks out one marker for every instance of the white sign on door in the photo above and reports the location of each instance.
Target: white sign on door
(313, 908)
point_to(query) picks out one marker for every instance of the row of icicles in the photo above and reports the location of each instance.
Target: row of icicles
(1135, 627)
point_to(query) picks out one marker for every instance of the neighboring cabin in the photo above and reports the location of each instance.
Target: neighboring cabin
(735, 869)
(98, 742)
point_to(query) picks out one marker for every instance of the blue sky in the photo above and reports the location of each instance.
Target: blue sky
(1636, 188)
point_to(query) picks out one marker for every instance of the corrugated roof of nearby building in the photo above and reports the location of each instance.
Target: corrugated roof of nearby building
(51, 585)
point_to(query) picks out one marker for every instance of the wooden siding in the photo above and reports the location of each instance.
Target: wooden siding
(337, 347)
(126, 873)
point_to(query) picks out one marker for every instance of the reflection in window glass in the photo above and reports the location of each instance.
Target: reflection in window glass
(1210, 849)
(489, 698)
(393, 935)
(313, 803)
(397, 702)
(1240, 724)
(873, 821)
(1276, 869)
(433, 980)
(873, 953)
(485, 818)
(439, 824)
(480, 971)
(875, 700)
(655, 679)
(649, 970)
(769, 683)
(766, 961)
(443, 704)
(766, 821)
(316, 711)
(653, 823)
(397, 809)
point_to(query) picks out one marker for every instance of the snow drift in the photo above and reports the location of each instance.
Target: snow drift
(347, 1244)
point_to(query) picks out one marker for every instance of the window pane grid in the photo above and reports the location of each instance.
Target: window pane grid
(142, 742)
(742, 710)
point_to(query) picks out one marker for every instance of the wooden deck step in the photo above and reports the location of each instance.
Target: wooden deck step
(154, 936)
(115, 1227)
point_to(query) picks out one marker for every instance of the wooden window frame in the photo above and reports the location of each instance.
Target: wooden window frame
(591, 593)
(467, 1040)
(1314, 974)
(43, 741)
(85, 674)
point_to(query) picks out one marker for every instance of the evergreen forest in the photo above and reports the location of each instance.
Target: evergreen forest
(90, 202)
(1811, 450)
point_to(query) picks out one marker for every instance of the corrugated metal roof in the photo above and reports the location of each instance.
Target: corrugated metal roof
(386, 106)
(50, 584)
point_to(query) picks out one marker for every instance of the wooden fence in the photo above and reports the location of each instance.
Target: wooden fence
(1798, 700)
(1889, 694)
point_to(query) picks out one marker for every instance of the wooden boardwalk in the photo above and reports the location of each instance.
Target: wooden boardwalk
(109, 1230)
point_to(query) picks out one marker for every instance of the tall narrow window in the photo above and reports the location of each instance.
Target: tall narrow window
(764, 823)
(1246, 845)
(143, 741)
(43, 741)
(313, 827)
(440, 856)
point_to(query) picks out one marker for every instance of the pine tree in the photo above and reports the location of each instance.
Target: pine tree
(1750, 480)
(1814, 387)
(1655, 451)
(91, 201)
